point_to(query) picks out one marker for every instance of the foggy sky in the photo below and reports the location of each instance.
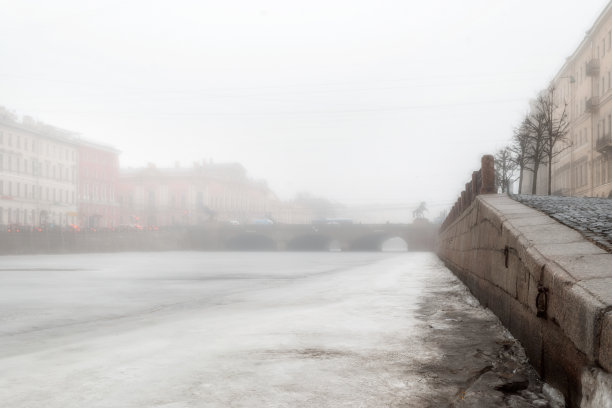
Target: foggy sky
(387, 102)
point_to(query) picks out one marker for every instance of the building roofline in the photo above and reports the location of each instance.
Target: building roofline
(587, 38)
(65, 136)
(88, 143)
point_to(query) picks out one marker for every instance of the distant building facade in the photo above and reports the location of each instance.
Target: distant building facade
(584, 83)
(206, 192)
(98, 175)
(38, 172)
(51, 177)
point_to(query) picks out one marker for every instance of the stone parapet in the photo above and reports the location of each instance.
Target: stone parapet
(546, 283)
(482, 182)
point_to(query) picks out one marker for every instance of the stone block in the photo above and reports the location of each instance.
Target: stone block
(523, 280)
(550, 234)
(551, 251)
(532, 219)
(490, 237)
(534, 261)
(605, 342)
(562, 363)
(527, 328)
(516, 211)
(510, 235)
(480, 265)
(575, 311)
(600, 288)
(502, 277)
(583, 267)
(488, 213)
(498, 302)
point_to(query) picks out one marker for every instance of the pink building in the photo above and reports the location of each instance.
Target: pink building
(98, 173)
(206, 192)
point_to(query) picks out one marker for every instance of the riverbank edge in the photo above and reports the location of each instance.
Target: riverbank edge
(547, 284)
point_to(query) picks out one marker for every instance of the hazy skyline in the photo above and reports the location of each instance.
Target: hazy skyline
(361, 102)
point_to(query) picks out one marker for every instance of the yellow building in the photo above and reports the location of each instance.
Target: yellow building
(584, 83)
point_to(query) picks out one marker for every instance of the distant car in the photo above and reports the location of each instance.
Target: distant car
(234, 222)
(129, 227)
(262, 221)
(15, 228)
(332, 221)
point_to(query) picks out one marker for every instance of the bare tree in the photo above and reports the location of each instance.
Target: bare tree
(536, 152)
(505, 167)
(556, 125)
(519, 148)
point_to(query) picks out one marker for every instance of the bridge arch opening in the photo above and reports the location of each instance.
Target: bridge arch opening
(368, 243)
(334, 246)
(251, 242)
(394, 244)
(309, 242)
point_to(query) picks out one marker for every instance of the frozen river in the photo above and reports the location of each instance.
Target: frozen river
(188, 329)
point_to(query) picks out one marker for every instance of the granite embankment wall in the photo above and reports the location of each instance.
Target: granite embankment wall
(548, 285)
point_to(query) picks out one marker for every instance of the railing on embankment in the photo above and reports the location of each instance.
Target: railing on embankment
(548, 285)
(483, 182)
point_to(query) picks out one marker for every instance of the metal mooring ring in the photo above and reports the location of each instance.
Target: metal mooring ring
(541, 301)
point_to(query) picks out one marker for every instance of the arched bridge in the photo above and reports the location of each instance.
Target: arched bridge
(302, 237)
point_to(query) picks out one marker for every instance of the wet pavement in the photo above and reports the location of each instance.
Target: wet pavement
(590, 216)
(252, 330)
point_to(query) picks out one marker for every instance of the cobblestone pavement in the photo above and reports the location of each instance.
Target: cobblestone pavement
(590, 216)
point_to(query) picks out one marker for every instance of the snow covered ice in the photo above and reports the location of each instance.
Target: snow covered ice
(190, 329)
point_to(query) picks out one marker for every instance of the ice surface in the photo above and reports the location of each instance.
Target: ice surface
(190, 329)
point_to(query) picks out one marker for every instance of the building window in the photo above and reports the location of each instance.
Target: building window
(598, 129)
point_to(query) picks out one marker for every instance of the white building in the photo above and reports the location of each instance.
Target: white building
(38, 172)
(584, 83)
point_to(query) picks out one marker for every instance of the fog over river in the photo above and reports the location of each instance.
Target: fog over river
(192, 329)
